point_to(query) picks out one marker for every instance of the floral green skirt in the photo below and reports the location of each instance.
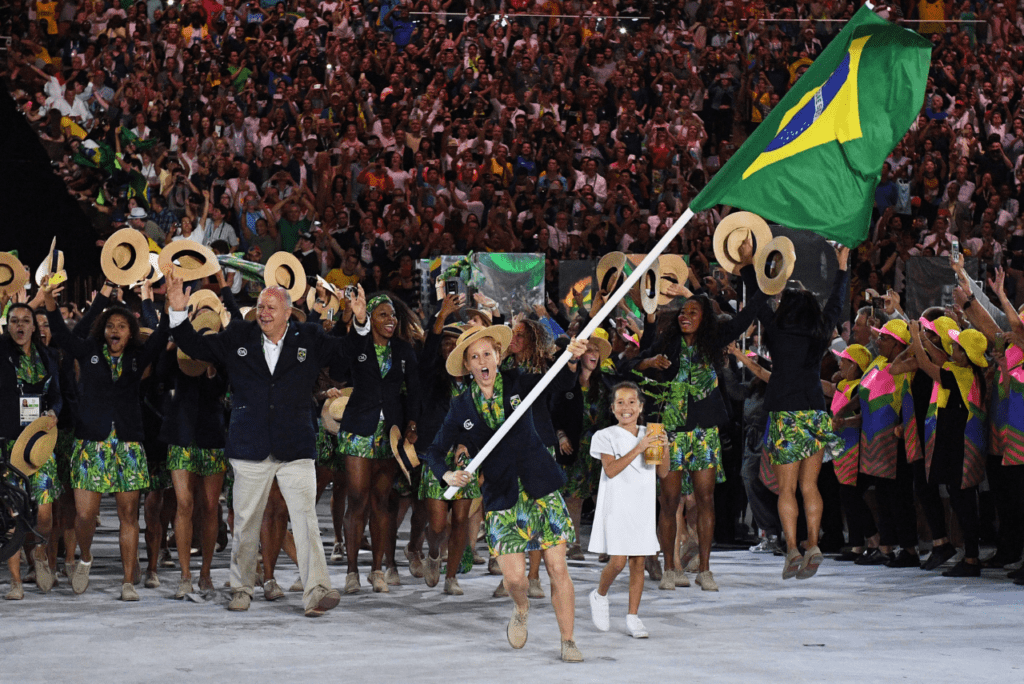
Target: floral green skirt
(797, 435)
(432, 488)
(44, 485)
(201, 462)
(110, 466)
(530, 525)
(583, 475)
(375, 446)
(327, 453)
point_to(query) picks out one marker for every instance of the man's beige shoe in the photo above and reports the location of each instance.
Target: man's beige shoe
(272, 590)
(500, 591)
(321, 600)
(80, 576)
(535, 590)
(451, 586)
(668, 580)
(16, 593)
(392, 578)
(239, 601)
(352, 583)
(152, 581)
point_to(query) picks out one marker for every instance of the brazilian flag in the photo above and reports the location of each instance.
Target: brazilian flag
(815, 161)
(129, 138)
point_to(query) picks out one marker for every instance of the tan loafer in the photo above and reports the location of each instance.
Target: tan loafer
(668, 580)
(792, 566)
(377, 581)
(570, 653)
(517, 628)
(128, 592)
(322, 600)
(45, 577)
(80, 576)
(432, 570)
(451, 586)
(536, 591)
(809, 565)
(16, 593)
(184, 588)
(272, 590)
(392, 578)
(706, 581)
(152, 581)
(352, 583)
(239, 601)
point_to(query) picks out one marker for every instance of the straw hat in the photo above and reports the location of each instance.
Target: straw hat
(896, 328)
(673, 271)
(125, 257)
(195, 260)
(249, 313)
(974, 343)
(12, 274)
(333, 296)
(298, 314)
(604, 347)
(646, 290)
(52, 264)
(773, 285)
(34, 446)
(406, 456)
(609, 271)
(733, 232)
(155, 273)
(205, 323)
(333, 409)
(500, 333)
(857, 353)
(208, 299)
(285, 270)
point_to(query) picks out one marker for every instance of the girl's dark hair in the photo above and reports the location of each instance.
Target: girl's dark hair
(100, 326)
(706, 339)
(627, 385)
(36, 339)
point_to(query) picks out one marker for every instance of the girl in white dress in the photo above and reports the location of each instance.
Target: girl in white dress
(624, 522)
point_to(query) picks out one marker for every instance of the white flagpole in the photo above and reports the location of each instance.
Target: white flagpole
(596, 321)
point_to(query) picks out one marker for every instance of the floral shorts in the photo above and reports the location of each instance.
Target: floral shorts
(327, 454)
(110, 466)
(699, 449)
(375, 446)
(793, 436)
(201, 462)
(530, 525)
(431, 488)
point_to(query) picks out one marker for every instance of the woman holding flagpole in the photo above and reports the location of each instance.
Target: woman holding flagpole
(524, 511)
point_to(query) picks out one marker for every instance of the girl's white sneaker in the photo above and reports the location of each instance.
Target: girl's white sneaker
(599, 611)
(635, 627)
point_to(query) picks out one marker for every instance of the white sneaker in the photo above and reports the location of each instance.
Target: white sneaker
(599, 611)
(636, 628)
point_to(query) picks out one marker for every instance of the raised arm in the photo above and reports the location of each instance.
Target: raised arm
(924, 360)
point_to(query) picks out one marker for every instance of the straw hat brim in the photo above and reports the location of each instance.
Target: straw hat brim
(604, 348)
(204, 299)
(500, 333)
(194, 260)
(48, 267)
(334, 409)
(205, 323)
(646, 290)
(484, 315)
(333, 300)
(609, 271)
(674, 270)
(285, 270)
(13, 276)
(34, 447)
(725, 242)
(137, 266)
(777, 283)
(406, 456)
